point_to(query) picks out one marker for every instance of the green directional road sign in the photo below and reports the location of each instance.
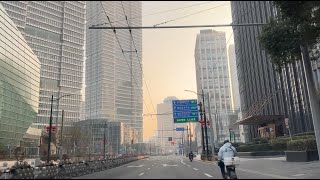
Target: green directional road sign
(184, 120)
(185, 111)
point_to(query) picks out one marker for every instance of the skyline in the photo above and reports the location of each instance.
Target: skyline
(166, 78)
(176, 54)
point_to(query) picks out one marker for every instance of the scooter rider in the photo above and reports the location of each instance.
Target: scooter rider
(190, 155)
(227, 150)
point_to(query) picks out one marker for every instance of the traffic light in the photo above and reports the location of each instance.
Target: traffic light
(202, 123)
(53, 129)
(170, 139)
(47, 129)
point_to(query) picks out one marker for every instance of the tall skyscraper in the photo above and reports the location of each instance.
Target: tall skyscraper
(55, 32)
(235, 96)
(283, 94)
(19, 83)
(213, 78)
(114, 79)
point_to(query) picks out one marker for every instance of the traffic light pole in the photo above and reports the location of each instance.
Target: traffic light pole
(202, 134)
(205, 124)
(104, 141)
(60, 147)
(50, 128)
(190, 135)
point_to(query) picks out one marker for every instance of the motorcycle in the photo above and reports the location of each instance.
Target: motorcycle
(231, 164)
(190, 158)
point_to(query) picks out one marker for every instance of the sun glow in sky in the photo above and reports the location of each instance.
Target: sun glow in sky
(168, 54)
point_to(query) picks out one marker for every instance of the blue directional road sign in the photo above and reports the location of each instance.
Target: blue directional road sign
(185, 111)
(180, 129)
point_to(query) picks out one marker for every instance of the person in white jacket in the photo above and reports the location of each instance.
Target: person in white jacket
(227, 150)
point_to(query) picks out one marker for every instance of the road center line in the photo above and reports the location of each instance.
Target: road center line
(195, 169)
(207, 175)
(141, 174)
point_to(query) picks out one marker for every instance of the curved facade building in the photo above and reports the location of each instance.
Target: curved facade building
(55, 32)
(19, 83)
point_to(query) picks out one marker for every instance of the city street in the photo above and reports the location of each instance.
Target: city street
(178, 167)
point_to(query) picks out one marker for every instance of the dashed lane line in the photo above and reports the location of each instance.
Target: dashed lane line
(141, 174)
(207, 175)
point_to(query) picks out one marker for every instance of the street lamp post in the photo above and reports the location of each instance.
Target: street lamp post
(50, 125)
(202, 132)
(205, 123)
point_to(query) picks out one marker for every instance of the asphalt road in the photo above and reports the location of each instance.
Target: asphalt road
(175, 167)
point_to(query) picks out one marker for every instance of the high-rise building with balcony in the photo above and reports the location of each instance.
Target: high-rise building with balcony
(19, 83)
(113, 76)
(55, 32)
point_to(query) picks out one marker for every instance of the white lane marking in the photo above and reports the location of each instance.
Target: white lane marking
(298, 175)
(165, 165)
(182, 161)
(195, 169)
(207, 175)
(136, 166)
(188, 165)
(141, 174)
(148, 168)
(152, 165)
(260, 173)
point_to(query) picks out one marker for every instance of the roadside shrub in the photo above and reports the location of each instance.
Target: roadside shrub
(305, 134)
(303, 137)
(264, 140)
(302, 145)
(256, 140)
(255, 147)
(279, 145)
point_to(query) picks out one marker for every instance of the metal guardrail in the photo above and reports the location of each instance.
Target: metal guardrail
(66, 171)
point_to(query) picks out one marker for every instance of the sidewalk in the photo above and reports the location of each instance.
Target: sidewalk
(278, 166)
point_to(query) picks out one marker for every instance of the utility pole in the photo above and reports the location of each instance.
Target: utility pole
(50, 129)
(182, 143)
(62, 117)
(190, 135)
(202, 133)
(187, 150)
(205, 124)
(104, 140)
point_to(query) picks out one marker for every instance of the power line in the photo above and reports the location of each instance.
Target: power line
(115, 34)
(177, 27)
(139, 59)
(150, 14)
(190, 14)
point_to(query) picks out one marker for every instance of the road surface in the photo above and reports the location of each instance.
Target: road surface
(178, 167)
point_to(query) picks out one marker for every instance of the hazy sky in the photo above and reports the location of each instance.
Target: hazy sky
(168, 54)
